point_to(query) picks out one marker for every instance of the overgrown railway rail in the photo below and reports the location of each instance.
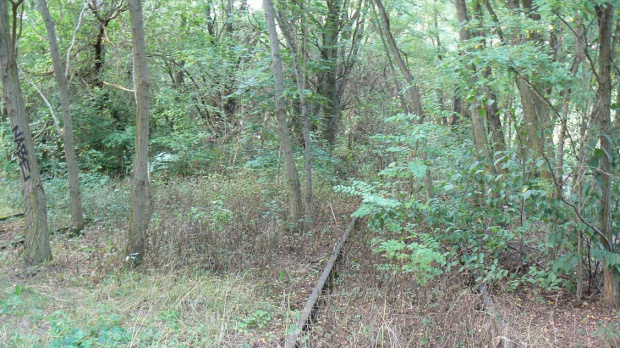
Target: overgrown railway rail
(312, 304)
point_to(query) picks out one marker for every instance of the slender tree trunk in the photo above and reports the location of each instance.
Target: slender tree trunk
(559, 171)
(493, 120)
(140, 185)
(412, 89)
(477, 124)
(581, 159)
(300, 77)
(559, 168)
(491, 104)
(403, 102)
(329, 80)
(67, 135)
(285, 138)
(602, 114)
(99, 55)
(37, 246)
(535, 109)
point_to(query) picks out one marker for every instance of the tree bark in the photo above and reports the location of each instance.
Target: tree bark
(602, 114)
(296, 205)
(140, 185)
(329, 78)
(535, 113)
(535, 109)
(491, 105)
(75, 196)
(300, 77)
(37, 246)
(412, 89)
(493, 120)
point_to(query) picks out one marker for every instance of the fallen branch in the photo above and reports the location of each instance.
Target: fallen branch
(11, 216)
(304, 316)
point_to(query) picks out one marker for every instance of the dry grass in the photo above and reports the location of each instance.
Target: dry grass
(74, 300)
(223, 270)
(369, 308)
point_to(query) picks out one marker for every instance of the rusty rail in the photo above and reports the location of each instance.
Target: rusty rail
(304, 316)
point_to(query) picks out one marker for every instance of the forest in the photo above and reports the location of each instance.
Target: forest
(309, 173)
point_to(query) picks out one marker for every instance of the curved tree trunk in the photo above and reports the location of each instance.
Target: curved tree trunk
(412, 89)
(67, 135)
(300, 77)
(140, 185)
(37, 246)
(285, 137)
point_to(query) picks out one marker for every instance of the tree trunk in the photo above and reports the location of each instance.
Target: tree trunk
(37, 246)
(300, 77)
(285, 138)
(67, 135)
(559, 171)
(476, 110)
(412, 89)
(498, 142)
(140, 185)
(535, 109)
(403, 102)
(493, 120)
(602, 114)
(328, 79)
(535, 113)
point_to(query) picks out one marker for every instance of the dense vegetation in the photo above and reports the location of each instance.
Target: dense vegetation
(477, 140)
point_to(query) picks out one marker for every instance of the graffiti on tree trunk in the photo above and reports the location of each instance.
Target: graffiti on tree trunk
(22, 153)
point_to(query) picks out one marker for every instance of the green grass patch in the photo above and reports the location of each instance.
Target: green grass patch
(134, 309)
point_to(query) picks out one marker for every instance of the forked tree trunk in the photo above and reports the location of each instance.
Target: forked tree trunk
(37, 245)
(140, 185)
(285, 137)
(75, 196)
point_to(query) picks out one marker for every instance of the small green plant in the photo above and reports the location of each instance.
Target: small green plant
(610, 332)
(106, 331)
(257, 319)
(11, 305)
(420, 256)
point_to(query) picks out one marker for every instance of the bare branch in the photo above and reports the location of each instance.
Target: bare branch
(49, 106)
(73, 38)
(119, 87)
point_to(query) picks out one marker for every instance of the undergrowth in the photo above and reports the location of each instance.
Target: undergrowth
(132, 309)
